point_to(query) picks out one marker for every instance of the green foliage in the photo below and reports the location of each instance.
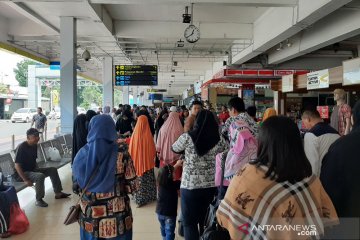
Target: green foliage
(89, 95)
(21, 71)
(3, 88)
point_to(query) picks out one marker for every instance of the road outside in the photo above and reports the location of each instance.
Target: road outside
(7, 129)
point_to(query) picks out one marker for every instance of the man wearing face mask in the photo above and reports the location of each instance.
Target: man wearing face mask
(196, 107)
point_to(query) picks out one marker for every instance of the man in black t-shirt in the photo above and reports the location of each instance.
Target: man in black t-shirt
(26, 167)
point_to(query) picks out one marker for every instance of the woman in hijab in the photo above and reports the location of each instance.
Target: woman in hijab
(142, 151)
(164, 114)
(89, 115)
(105, 206)
(269, 112)
(123, 124)
(198, 178)
(79, 134)
(169, 133)
(151, 123)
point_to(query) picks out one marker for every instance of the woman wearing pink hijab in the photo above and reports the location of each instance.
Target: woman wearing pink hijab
(168, 134)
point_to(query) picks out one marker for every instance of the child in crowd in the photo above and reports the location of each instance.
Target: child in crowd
(167, 203)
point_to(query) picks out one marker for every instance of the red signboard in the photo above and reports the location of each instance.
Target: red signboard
(256, 73)
(324, 111)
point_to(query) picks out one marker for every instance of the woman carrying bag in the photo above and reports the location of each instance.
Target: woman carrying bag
(106, 171)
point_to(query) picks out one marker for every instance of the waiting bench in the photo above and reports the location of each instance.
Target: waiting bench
(44, 159)
(7, 165)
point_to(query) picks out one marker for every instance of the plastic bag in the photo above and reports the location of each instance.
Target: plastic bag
(19, 223)
(54, 154)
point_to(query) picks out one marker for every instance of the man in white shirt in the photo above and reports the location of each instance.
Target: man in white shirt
(318, 139)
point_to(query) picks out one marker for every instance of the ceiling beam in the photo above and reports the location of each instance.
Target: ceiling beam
(102, 16)
(162, 29)
(338, 26)
(23, 9)
(245, 3)
(278, 24)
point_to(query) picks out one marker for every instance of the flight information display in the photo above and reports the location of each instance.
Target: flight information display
(136, 75)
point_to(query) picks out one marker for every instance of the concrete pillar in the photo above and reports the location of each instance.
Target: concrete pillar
(108, 86)
(34, 88)
(135, 93)
(68, 78)
(279, 102)
(125, 95)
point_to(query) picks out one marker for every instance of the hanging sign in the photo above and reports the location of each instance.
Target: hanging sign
(287, 83)
(136, 75)
(318, 79)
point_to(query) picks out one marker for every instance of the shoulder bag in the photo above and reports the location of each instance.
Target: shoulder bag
(74, 212)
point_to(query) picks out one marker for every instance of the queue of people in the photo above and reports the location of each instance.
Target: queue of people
(263, 174)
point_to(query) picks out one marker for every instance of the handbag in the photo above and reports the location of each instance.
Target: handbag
(74, 212)
(54, 154)
(213, 231)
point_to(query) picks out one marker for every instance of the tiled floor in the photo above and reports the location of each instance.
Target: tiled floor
(46, 223)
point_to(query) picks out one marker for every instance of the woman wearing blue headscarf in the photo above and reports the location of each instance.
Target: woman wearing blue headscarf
(105, 207)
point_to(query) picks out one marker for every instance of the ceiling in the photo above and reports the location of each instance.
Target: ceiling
(147, 32)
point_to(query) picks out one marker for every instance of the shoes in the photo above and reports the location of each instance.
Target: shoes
(41, 203)
(5, 235)
(62, 195)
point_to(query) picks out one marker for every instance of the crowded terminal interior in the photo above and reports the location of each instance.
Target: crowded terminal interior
(179, 119)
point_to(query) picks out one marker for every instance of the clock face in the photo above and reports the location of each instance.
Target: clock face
(192, 34)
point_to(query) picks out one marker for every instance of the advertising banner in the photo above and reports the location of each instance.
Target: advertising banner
(318, 79)
(287, 83)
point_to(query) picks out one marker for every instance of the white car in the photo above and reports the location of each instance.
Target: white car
(23, 115)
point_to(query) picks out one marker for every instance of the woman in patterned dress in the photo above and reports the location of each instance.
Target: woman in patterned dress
(105, 206)
(142, 151)
(198, 178)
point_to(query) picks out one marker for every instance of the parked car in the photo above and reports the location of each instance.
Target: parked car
(23, 115)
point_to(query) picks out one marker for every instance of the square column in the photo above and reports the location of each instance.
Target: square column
(135, 93)
(68, 85)
(108, 85)
(125, 91)
(279, 102)
(34, 88)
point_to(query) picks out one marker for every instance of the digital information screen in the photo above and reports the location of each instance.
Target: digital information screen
(136, 75)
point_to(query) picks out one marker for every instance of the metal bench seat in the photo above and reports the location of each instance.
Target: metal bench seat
(7, 167)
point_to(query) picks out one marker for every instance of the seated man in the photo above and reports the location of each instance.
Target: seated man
(26, 167)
